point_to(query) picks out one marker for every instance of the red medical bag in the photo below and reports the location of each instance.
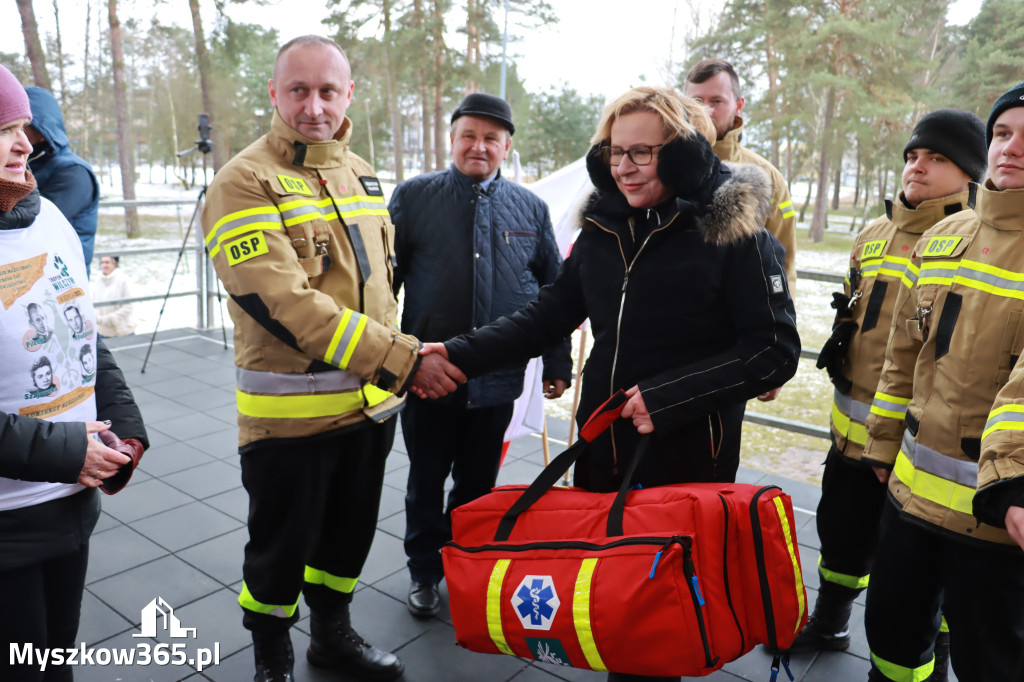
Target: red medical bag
(670, 580)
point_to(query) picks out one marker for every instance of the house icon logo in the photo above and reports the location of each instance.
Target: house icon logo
(160, 611)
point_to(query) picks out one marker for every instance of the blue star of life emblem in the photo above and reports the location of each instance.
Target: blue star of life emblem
(536, 602)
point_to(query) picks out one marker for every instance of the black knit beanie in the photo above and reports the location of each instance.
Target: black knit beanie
(957, 135)
(1012, 98)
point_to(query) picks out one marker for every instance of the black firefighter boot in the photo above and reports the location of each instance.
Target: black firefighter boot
(335, 644)
(274, 656)
(828, 628)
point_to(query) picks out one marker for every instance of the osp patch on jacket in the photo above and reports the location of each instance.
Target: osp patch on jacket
(246, 248)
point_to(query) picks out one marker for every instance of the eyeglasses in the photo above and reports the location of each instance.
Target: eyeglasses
(641, 154)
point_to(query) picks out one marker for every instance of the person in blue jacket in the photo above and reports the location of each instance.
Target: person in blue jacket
(62, 176)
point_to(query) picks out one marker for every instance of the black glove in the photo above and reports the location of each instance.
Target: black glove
(835, 350)
(600, 173)
(689, 168)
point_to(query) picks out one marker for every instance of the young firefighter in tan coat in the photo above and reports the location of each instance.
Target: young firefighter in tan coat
(945, 153)
(298, 232)
(957, 332)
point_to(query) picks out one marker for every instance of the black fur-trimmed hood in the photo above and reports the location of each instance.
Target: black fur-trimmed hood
(739, 206)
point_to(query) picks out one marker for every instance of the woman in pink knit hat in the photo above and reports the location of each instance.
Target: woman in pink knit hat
(57, 419)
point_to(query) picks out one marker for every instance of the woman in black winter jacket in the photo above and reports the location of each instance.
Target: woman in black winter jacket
(62, 400)
(685, 290)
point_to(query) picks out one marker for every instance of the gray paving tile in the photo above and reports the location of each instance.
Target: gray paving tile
(835, 667)
(221, 557)
(392, 501)
(234, 503)
(393, 525)
(205, 480)
(190, 426)
(519, 471)
(387, 555)
(176, 385)
(176, 456)
(435, 656)
(105, 522)
(117, 550)
(154, 375)
(99, 621)
(535, 674)
(757, 665)
(221, 444)
(139, 500)
(169, 577)
(158, 438)
(185, 526)
(160, 409)
(227, 414)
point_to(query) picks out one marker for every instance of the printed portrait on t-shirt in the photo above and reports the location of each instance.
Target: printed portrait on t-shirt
(43, 381)
(88, 360)
(76, 323)
(40, 332)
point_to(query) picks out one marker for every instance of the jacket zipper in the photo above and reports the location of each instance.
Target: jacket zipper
(516, 233)
(622, 305)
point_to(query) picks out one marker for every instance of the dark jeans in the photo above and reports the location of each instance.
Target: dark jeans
(41, 605)
(852, 499)
(979, 587)
(441, 440)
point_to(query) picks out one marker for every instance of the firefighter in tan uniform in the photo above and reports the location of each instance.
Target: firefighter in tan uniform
(714, 83)
(946, 151)
(298, 232)
(957, 333)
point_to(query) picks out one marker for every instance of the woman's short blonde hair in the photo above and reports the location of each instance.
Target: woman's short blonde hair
(682, 116)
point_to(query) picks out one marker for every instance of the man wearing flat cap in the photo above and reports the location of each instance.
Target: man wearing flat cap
(470, 247)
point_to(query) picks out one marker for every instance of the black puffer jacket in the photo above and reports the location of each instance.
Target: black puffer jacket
(467, 256)
(698, 314)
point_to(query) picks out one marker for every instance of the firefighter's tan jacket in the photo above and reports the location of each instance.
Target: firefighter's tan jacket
(878, 260)
(956, 333)
(299, 234)
(1002, 445)
(782, 219)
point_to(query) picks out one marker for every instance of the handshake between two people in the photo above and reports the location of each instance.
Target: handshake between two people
(437, 377)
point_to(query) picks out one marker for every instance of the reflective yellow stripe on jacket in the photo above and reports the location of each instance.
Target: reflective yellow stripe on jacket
(987, 278)
(1004, 418)
(849, 416)
(892, 406)
(936, 477)
(270, 395)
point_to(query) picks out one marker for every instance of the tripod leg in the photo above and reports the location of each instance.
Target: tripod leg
(181, 252)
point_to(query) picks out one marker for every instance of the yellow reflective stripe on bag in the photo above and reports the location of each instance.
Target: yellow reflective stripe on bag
(787, 532)
(581, 614)
(494, 585)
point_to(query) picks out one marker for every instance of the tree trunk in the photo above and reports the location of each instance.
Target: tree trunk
(856, 179)
(438, 32)
(33, 48)
(205, 85)
(125, 151)
(60, 63)
(807, 201)
(392, 104)
(835, 188)
(427, 120)
(820, 217)
(86, 151)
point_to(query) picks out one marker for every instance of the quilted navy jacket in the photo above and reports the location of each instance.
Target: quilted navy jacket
(468, 257)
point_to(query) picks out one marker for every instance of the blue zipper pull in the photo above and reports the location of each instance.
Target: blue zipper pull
(657, 558)
(785, 664)
(696, 589)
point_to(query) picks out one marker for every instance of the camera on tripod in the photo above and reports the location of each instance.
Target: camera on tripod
(204, 144)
